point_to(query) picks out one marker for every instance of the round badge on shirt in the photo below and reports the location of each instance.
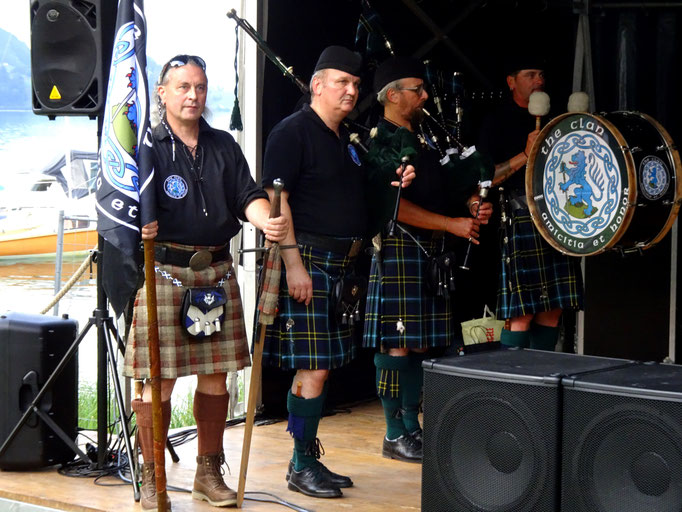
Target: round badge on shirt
(175, 186)
(354, 155)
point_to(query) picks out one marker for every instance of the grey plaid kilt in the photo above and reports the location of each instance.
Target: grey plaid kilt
(537, 277)
(182, 354)
(401, 295)
(308, 337)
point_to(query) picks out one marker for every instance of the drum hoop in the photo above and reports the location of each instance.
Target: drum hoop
(632, 178)
(677, 164)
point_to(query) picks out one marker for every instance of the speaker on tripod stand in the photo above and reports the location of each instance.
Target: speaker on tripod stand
(492, 426)
(31, 346)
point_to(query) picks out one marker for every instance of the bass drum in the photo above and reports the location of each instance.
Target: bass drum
(600, 182)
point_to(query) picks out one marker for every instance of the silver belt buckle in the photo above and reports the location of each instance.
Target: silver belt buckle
(200, 260)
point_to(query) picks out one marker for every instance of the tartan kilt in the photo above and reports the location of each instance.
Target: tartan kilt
(402, 295)
(308, 337)
(181, 354)
(537, 277)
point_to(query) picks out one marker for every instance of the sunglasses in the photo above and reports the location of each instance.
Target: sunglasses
(182, 60)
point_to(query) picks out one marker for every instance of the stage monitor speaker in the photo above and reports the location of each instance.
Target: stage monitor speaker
(66, 57)
(31, 347)
(492, 429)
(622, 442)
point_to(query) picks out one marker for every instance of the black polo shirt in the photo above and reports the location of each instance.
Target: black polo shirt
(322, 173)
(224, 181)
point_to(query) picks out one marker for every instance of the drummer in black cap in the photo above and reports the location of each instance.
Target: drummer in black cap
(536, 283)
(324, 197)
(408, 309)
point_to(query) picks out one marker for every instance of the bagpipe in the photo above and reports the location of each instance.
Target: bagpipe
(440, 132)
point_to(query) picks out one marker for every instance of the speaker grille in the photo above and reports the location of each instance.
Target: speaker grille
(489, 446)
(65, 56)
(621, 454)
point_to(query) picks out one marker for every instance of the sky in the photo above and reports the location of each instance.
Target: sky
(199, 27)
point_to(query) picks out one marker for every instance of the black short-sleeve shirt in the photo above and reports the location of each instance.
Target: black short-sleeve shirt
(224, 180)
(322, 173)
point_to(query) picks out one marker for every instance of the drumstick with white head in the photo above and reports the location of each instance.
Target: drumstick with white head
(538, 106)
(579, 102)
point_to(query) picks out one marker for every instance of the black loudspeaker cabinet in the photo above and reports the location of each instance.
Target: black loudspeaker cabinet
(492, 425)
(622, 442)
(66, 57)
(31, 346)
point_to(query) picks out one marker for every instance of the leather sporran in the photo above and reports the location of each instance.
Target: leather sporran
(203, 310)
(440, 274)
(347, 299)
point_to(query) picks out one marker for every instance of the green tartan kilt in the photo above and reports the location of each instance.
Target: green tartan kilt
(308, 337)
(536, 277)
(400, 298)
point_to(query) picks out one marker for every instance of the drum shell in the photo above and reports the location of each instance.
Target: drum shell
(584, 178)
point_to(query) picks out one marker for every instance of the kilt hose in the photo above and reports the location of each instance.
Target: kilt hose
(535, 277)
(401, 312)
(308, 337)
(182, 354)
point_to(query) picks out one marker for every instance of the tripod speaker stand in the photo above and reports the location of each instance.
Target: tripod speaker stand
(105, 328)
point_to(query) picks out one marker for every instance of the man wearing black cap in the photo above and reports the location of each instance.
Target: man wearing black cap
(324, 196)
(407, 312)
(536, 282)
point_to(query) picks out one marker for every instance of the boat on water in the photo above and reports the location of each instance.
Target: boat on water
(34, 205)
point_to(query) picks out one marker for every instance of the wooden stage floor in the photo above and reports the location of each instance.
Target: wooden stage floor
(352, 442)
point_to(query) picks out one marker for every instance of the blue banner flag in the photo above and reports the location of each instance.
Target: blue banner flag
(125, 188)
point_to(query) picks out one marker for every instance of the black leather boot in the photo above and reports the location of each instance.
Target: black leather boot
(312, 482)
(335, 479)
(405, 448)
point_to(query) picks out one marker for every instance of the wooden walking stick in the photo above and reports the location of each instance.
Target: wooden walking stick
(155, 377)
(267, 304)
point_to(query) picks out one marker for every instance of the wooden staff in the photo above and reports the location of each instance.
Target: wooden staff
(256, 366)
(155, 377)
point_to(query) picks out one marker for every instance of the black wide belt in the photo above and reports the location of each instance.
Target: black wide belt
(349, 247)
(197, 260)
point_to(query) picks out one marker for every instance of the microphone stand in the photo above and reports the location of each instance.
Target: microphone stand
(403, 164)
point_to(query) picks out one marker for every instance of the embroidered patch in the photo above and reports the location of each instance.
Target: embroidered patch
(354, 155)
(175, 186)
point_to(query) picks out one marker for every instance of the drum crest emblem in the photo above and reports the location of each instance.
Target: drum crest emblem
(582, 183)
(654, 178)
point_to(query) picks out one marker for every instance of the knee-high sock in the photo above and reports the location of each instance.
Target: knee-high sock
(304, 419)
(388, 378)
(543, 337)
(145, 432)
(210, 412)
(411, 381)
(515, 338)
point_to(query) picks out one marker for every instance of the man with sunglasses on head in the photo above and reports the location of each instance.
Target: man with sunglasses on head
(203, 190)
(324, 196)
(408, 306)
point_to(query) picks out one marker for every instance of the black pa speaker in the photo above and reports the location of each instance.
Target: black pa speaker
(31, 347)
(622, 442)
(492, 425)
(66, 57)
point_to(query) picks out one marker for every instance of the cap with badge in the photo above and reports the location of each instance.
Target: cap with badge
(396, 68)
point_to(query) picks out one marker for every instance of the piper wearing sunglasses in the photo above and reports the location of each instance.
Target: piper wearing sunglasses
(203, 189)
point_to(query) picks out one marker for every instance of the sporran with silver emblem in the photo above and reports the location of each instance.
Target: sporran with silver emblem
(203, 310)
(347, 299)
